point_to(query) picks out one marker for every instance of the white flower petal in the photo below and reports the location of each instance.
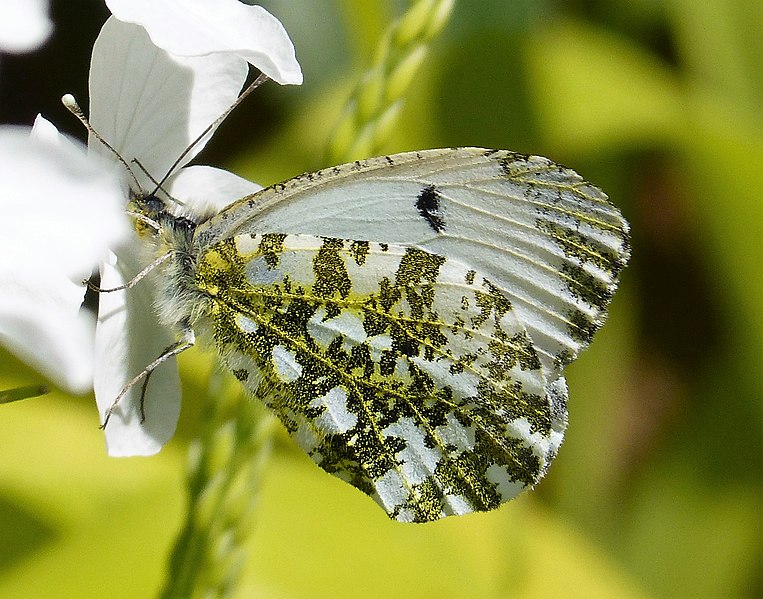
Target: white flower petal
(41, 323)
(205, 190)
(46, 132)
(62, 211)
(66, 210)
(199, 27)
(150, 105)
(128, 338)
(24, 25)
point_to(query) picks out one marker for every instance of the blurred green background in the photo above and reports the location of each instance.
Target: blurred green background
(657, 489)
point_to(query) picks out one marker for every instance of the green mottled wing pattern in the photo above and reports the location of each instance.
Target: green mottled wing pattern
(401, 371)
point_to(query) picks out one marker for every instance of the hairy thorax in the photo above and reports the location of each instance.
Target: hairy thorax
(178, 301)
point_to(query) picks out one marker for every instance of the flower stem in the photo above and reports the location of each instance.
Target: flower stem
(225, 468)
(375, 105)
(19, 393)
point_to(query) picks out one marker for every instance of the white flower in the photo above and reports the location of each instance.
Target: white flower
(24, 25)
(201, 27)
(62, 211)
(150, 104)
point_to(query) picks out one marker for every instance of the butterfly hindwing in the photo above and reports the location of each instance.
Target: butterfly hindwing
(550, 240)
(404, 372)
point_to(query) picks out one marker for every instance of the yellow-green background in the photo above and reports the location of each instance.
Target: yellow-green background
(657, 489)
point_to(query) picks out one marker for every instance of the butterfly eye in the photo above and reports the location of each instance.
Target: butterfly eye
(152, 205)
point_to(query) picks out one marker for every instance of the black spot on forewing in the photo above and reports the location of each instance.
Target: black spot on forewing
(428, 205)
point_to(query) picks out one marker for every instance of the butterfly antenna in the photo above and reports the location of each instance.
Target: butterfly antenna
(261, 78)
(137, 163)
(71, 105)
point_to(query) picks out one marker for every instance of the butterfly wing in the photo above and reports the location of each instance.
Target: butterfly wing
(403, 372)
(551, 241)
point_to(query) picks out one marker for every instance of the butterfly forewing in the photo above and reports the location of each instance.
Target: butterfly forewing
(548, 239)
(404, 372)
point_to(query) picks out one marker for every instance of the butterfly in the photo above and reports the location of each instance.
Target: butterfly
(408, 318)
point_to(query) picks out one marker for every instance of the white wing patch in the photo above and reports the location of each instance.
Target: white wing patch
(417, 461)
(285, 364)
(335, 417)
(346, 325)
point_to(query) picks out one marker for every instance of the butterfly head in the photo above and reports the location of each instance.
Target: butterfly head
(154, 217)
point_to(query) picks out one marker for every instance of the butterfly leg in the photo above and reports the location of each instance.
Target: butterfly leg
(131, 283)
(143, 397)
(176, 348)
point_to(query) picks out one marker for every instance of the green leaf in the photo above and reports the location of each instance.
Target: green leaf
(721, 46)
(595, 91)
(725, 154)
